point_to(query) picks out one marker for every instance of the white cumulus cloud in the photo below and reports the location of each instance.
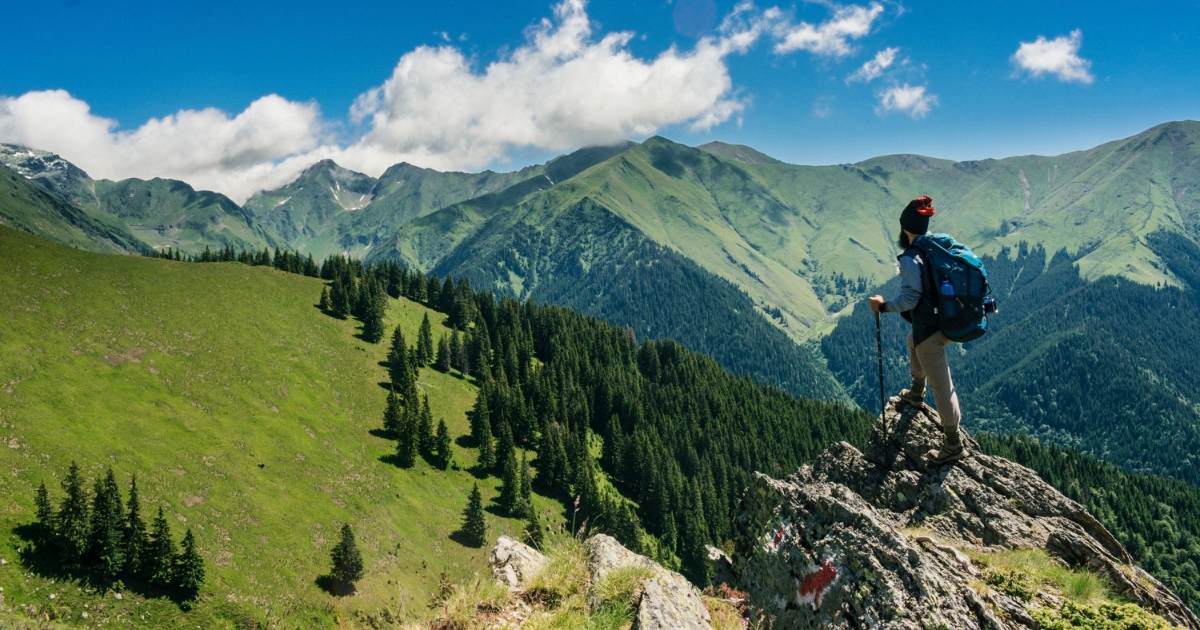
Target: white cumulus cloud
(207, 148)
(831, 37)
(911, 100)
(1058, 57)
(874, 68)
(561, 89)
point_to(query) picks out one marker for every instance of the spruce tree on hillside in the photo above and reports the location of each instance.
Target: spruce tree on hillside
(441, 450)
(443, 355)
(45, 515)
(71, 528)
(158, 564)
(481, 416)
(425, 342)
(487, 455)
(347, 563)
(510, 487)
(339, 296)
(324, 304)
(474, 527)
(106, 529)
(392, 415)
(135, 541)
(456, 350)
(407, 445)
(399, 365)
(425, 428)
(188, 573)
(533, 528)
(693, 552)
(373, 319)
(505, 447)
(526, 484)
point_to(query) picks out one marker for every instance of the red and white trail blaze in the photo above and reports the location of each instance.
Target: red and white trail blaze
(813, 586)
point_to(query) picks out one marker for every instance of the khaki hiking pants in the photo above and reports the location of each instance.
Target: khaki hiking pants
(928, 361)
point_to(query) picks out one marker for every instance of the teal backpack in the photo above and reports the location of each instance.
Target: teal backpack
(960, 284)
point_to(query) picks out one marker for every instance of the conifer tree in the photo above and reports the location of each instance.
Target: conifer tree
(533, 527)
(425, 342)
(106, 528)
(443, 355)
(45, 515)
(505, 447)
(71, 528)
(510, 487)
(347, 562)
(160, 554)
(188, 573)
(399, 364)
(474, 526)
(425, 428)
(433, 291)
(392, 414)
(456, 352)
(481, 416)
(324, 304)
(526, 484)
(693, 553)
(487, 456)
(134, 541)
(441, 451)
(408, 444)
(373, 313)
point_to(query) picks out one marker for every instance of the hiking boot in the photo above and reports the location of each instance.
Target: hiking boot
(914, 395)
(952, 450)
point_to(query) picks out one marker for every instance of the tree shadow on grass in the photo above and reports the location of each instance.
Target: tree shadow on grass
(387, 385)
(460, 537)
(380, 433)
(465, 441)
(329, 585)
(392, 460)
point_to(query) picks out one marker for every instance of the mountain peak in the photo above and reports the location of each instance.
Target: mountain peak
(738, 153)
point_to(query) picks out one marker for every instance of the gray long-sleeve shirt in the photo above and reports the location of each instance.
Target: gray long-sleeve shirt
(910, 286)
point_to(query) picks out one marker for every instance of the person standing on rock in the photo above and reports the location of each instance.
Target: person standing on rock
(917, 303)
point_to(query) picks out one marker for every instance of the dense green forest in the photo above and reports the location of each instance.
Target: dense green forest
(1157, 519)
(1107, 367)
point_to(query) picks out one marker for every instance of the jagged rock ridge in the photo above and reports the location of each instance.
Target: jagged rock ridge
(827, 548)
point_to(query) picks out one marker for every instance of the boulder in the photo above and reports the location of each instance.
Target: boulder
(514, 562)
(668, 602)
(827, 547)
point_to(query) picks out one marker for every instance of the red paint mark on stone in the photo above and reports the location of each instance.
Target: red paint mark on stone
(814, 585)
(779, 535)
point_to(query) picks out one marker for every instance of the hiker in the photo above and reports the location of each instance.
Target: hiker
(926, 343)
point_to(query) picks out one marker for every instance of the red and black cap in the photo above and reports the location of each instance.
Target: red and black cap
(915, 217)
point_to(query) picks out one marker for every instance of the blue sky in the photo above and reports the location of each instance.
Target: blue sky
(236, 98)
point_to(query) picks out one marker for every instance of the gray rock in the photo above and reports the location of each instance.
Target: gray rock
(824, 547)
(668, 602)
(722, 566)
(515, 563)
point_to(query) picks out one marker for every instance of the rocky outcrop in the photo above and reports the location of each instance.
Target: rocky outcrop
(668, 602)
(514, 562)
(876, 539)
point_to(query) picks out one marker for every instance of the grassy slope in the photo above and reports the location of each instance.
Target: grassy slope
(29, 208)
(194, 375)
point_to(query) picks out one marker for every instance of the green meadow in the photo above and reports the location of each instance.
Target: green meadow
(247, 415)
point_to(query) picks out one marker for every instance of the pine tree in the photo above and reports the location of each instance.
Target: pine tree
(441, 450)
(526, 485)
(474, 526)
(160, 554)
(425, 429)
(347, 562)
(487, 456)
(106, 529)
(456, 351)
(45, 515)
(693, 553)
(510, 487)
(339, 296)
(188, 574)
(425, 342)
(134, 541)
(443, 355)
(71, 528)
(533, 528)
(373, 316)
(505, 447)
(407, 446)
(399, 366)
(481, 416)
(392, 415)
(324, 304)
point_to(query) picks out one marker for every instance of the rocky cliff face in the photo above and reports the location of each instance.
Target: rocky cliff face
(878, 539)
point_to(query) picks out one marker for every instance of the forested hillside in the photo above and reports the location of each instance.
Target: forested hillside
(1107, 367)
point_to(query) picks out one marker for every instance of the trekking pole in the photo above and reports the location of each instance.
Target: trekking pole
(879, 350)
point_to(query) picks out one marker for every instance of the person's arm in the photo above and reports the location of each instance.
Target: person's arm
(910, 287)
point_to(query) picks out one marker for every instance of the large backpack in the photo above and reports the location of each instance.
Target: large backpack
(959, 284)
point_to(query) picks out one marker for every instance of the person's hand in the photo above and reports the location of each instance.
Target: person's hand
(877, 302)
